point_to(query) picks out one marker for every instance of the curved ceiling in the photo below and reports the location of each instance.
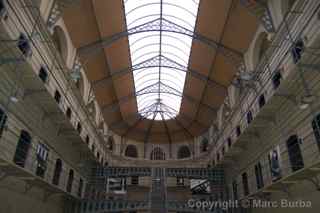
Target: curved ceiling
(150, 86)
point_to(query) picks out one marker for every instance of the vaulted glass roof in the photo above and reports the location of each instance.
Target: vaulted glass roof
(159, 83)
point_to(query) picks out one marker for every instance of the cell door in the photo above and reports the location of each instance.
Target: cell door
(295, 155)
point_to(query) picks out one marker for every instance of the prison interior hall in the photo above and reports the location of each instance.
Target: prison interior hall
(160, 106)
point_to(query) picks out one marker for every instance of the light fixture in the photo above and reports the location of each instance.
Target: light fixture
(14, 99)
(75, 75)
(305, 101)
(246, 76)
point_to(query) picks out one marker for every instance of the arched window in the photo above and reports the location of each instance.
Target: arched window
(60, 41)
(259, 175)
(294, 151)
(22, 149)
(24, 45)
(157, 154)
(3, 120)
(57, 172)
(249, 117)
(297, 50)
(87, 139)
(68, 113)
(43, 74)
(2, 8)
(276, 79)
(204, 145)
(80, 187)
(316, 129)
(131, 151)
(261, 101)
(79, 127)
(245, 184)
(229, 142)
(110, 143)
(57, 96)
(184, 152)
(70, 180)
(238, 131)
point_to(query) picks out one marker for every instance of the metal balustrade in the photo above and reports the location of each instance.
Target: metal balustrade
(212, 174)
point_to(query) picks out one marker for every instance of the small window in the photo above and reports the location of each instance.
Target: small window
(134, 180)
(43, 74)
(57, 172)
(22, 149)
(24, 45)
(249, 117)
(87, 139)
(316, 129)
(80, 187)
(238, 131)
(229, 142)
(180, 181)
(262, 101)
(98, 155)
(204, 145)
(259, 175)
(223, 151)
(3, 120)
(79, 127)
(276, 79)
(245, 184)
(2, 8)
(218, 157)
(295, 154)
(235, 190)
(297, 51)
(42, 156)
(93, 148)
(57, 96)
(70, 180)
(69, 113)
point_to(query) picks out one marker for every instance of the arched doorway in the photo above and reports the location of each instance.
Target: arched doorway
(157, 154)
(131, 151)
(183, 152)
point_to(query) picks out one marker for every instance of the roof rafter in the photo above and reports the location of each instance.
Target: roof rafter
(161, 24)
(156, 62)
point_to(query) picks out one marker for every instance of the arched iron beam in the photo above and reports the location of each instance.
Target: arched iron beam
(154, 62)
(260, 9)
(115, 105)
(234, 56)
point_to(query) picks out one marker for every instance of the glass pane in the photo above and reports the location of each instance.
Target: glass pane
(160, 51)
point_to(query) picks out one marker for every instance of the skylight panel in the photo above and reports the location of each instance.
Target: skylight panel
(160, 52)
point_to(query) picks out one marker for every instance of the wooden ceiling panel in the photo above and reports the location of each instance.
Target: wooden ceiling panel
(194, 87)
(110, 17)
(189, 108)
(206, 116)
(95, 67)
(212, 13)
(128, 108)
(223, 71)
(123, 85)
(240, 29)
(81, 23)
(214, 96)
(104, 94)
(201, 57)
(118, 55)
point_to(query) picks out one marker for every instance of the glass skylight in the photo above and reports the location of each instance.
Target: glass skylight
(156, 49)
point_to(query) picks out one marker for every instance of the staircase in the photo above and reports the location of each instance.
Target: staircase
(158, 191)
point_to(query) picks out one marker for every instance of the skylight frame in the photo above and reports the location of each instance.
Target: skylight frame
(153, 43)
